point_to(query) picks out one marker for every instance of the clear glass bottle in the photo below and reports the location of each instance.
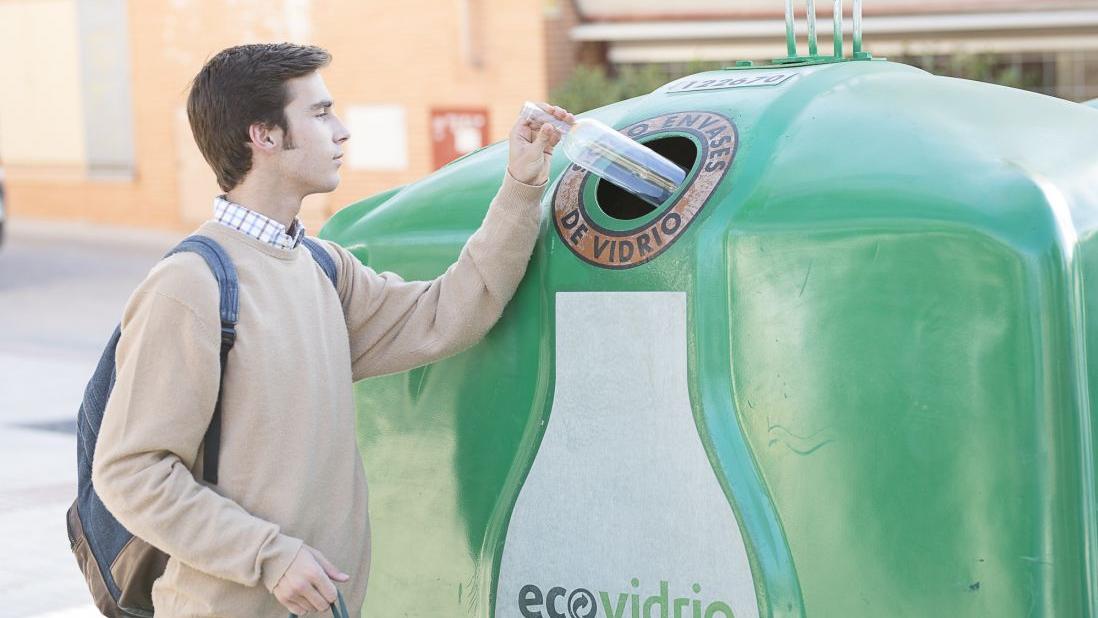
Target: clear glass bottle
(614, 157)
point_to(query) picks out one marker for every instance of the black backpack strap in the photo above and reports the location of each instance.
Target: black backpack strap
(225, 272)
(323, 258)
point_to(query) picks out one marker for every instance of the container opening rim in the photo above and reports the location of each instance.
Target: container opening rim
(621, 206)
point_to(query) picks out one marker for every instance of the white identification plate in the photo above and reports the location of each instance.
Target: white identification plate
(693, 84)
(621, 515)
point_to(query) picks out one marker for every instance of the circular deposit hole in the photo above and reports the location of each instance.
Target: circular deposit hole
(621, 204)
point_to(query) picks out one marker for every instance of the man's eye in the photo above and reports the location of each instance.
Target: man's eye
(322, 115)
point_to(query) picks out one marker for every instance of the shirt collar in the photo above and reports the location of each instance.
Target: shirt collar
(256, 225)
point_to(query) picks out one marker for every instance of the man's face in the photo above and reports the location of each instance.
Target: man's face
(315, 138)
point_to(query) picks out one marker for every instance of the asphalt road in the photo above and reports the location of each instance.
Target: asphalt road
(62, 290)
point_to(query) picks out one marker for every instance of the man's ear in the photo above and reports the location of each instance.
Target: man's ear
(265, 137)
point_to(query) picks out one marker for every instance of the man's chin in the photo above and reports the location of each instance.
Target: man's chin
(325, 188)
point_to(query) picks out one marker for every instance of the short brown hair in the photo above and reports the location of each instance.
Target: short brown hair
(240, 86)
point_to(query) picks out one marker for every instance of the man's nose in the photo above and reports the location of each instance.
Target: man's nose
(342, 134)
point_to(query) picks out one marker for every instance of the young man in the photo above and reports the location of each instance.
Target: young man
(287, 519)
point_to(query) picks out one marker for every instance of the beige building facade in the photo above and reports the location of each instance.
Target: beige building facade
(93, 125)
(1050, 46)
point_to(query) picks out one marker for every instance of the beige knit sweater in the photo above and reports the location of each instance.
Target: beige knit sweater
(290, 469)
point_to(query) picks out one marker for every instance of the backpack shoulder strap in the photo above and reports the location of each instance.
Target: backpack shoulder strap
(323, 258)
(221, 265)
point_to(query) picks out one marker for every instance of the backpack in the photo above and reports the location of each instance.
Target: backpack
(120, 568)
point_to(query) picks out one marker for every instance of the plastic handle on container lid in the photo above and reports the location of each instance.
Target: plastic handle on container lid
(531, 111)
(338, 612)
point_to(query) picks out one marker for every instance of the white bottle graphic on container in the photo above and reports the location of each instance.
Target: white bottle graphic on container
(621, 514)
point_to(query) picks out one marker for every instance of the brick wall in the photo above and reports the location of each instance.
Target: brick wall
(415, 54)
(561, 52)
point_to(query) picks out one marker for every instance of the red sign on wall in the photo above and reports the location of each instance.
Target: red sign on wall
(457, 132)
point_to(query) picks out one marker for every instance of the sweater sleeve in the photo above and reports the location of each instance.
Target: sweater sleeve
(396, 325)
(167, 376)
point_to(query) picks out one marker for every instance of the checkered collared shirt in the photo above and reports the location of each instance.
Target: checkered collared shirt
(256, 225)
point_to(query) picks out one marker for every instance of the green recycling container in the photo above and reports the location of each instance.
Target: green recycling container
(845, 371)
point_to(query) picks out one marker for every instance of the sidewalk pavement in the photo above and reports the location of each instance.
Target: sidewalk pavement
(62, 290)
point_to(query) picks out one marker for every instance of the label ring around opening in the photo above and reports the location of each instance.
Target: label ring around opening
(619, 250)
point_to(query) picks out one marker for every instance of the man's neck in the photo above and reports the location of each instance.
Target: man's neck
(279, 206)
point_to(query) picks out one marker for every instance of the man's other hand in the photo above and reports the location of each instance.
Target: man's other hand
(307, 586)
(531, 146)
